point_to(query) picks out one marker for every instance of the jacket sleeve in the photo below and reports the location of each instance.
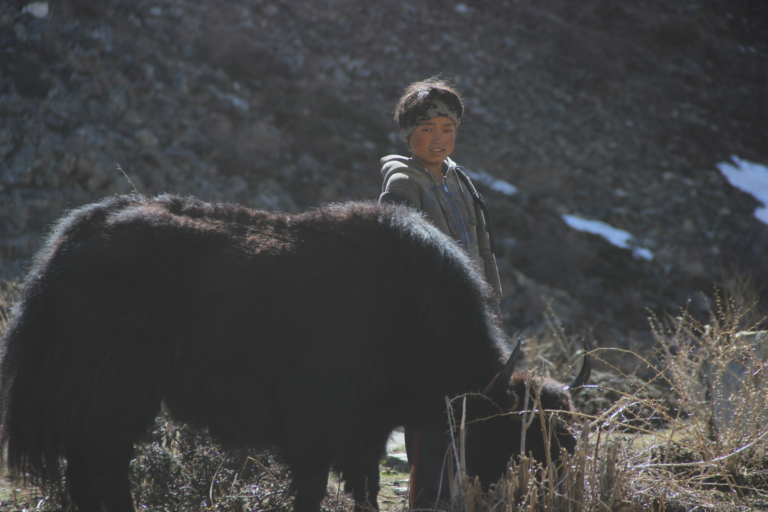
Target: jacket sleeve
(394, 198)
(403, 189)
(489, 259)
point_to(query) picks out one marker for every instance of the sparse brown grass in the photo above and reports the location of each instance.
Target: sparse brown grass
(8, 293)
(676, 442)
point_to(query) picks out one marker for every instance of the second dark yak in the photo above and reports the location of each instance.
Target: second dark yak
(315, 334)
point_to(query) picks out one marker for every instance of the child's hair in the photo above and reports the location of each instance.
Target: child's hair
(424, 100)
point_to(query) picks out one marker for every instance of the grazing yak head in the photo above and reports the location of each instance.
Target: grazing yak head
(502, 413)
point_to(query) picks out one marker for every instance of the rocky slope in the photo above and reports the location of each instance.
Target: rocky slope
(612, 112)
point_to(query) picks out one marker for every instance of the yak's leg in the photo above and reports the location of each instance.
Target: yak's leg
(360, 470)
(98, 463)
(94, 481)
(116, 487)
(364, 486)
(310, 484)
(80, 485)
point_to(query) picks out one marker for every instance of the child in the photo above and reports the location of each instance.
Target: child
(429, 114)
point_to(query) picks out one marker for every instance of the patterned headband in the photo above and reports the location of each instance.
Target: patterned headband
(429, 110)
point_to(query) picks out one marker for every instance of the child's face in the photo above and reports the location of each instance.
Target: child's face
(432, 142)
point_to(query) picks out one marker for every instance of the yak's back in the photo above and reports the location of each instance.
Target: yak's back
(163, 241)
(392, 238)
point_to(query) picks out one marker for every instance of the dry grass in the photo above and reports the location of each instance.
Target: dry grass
(694, 437)
(8, 292)
(674, 443)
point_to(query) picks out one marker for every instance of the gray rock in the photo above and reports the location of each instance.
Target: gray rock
(8, 140)
(20, 170)
(396, 442)
(525, 302)
(398, 461)
(737, 380)
(146, 138)
(271, 196)
(396, 457)
(94, 169)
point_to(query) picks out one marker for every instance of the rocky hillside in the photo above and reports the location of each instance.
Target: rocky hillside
(612, 111)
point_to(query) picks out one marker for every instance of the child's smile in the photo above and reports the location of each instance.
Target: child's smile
(432, 142)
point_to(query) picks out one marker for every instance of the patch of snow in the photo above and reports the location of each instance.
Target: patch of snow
(751, 178)
(486, 179)
(461, 8)
(504, 187)
(239, 103)
(642, 252)
(617, 237)
(36, 9)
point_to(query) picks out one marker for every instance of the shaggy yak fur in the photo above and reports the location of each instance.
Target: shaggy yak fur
(315, 334)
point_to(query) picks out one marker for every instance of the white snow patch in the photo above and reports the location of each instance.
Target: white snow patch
(486, 179)
(617, 237)
(36, 9)
(750, 177)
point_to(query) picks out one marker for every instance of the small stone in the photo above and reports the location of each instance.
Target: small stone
(68, 163)
(20, 172)
(6, 20)
(8, 139)
(146, 138)
(95, 169)
(398, 461)
(20, 31)
(237, 186)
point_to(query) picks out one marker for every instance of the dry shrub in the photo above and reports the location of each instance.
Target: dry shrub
(714, 451)
(180, 469)
(183, 469)
(693, 437)
(9, 290)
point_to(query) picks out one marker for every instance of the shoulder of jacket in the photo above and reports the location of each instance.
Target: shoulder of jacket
(395, 161)
(395, 164)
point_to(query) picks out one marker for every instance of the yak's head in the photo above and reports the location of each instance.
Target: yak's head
(499, 417)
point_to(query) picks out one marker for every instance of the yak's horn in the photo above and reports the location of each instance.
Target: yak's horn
(586, 369)
(502, 379)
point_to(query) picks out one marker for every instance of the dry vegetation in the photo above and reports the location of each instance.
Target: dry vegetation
(691, 437)
(672, 442)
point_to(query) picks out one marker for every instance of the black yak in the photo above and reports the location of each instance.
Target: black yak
(315, 333)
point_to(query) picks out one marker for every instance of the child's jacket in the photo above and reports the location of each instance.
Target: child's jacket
(447, 203)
